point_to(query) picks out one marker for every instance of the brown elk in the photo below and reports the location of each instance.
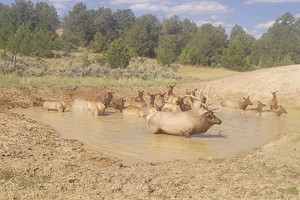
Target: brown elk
(152, 107)
(129, 110)
(51, 105)
(165, 107)
(254, 110)
(236, 104)
(278, 112)
(97, 108)
(139, 100)
(197, 102)
(106, 100)
(181, 123)
(183, 106)
(172, 98)
(273, 102)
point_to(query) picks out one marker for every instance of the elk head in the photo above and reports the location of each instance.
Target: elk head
(260, 105)
(282, 110)
(162, 97)
(171, 87)
(211, 118)
(152, 98)
(247, 101)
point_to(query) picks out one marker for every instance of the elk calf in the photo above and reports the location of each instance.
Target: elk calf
(254, 110)
(272, 112)
(51, 105)
(181, 123)
(237, 104)
(273, 102)
(139, 100)
(130, 110)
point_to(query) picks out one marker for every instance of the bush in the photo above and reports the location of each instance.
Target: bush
(118, 54)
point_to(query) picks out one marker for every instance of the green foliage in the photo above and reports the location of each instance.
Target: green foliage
(281, 44)
(78, 23)
(237, 55)
(42, 43)
(118, 54)
(139, 41)
(236, 30)
(100, 59)
(46, 17)
(125, 19)
(85, 61)
(100, 43)
(206, 47)
(292, 190)
(168, 50)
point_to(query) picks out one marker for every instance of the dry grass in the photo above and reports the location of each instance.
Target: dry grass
(203, 73)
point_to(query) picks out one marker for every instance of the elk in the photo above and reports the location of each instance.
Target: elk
(139, 100)
(106, 100)
(197, 102)
(51, 105)
(273, 102)
(181, 123)
(130, 110)
(254, 110)
(168, 107)
(172, 98)
(236, 104)
(278, 112)
(183, 106)
(81, 104)
(97, 108)
(152, 107)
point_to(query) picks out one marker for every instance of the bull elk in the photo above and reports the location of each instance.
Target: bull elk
(51, 105)
(139, 100)
(236, 104)
(130, 110)
(278, 112)
(181, 123)
(273, 102)
(254, 110)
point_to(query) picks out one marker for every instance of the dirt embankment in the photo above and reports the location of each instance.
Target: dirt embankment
(36, 163)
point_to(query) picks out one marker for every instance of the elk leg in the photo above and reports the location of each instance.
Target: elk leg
(154, 130)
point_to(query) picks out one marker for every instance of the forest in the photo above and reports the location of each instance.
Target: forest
(35, 30)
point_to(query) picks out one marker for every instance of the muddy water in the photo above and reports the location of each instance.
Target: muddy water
(128, 138)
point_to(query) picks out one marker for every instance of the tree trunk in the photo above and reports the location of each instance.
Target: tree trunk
(15, 61)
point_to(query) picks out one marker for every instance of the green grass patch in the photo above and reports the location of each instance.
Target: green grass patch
(297, 138)
(292, 190)
(5, 175)
(33, 183)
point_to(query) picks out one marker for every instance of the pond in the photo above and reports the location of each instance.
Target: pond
(128, 138)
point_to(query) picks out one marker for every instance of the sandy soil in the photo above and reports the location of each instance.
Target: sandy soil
(37, 164)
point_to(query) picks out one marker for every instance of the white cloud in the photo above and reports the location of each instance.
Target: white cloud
(190, 8)
(214, 17)
(265, 25)
(270, 1)
(118, 2)
(297, 15)
(203, 7)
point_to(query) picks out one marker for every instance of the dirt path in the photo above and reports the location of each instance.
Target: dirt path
(37, 164)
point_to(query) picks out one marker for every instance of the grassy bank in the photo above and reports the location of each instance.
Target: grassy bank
(17, 81)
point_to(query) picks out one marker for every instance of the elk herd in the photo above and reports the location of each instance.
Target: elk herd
(173, 115)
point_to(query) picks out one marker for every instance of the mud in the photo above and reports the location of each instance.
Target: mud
(36, 163)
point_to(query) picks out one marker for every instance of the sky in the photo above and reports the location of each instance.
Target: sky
(255, 16)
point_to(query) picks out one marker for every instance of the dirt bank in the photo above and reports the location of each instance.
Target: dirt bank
(36, 163)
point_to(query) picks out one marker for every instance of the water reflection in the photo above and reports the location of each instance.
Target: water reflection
(128, 138)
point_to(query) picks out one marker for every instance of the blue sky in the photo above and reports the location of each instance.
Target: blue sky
(255, 16)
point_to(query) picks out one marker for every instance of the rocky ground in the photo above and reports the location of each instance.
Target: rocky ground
(37, 164)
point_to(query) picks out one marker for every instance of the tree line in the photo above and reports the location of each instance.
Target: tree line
(29, 29)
